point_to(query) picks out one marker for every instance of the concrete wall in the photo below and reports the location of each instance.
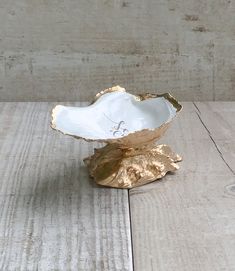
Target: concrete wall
(69, 49)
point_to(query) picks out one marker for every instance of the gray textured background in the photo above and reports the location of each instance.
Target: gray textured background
(64, 50)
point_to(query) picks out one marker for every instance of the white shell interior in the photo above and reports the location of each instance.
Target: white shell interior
(113, 115)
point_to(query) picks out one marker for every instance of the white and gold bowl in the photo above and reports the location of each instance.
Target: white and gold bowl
(130, 125)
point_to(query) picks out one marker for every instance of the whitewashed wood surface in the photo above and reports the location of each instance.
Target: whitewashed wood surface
(70, 50)
(53, 217)
(187, 220)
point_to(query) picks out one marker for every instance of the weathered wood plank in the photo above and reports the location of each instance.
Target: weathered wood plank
(221, 131)
(52, 216)
(187, 220)
(60, 76)
(223, 112)
(187, 46)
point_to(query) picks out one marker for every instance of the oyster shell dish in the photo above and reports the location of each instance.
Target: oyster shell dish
(129, 125)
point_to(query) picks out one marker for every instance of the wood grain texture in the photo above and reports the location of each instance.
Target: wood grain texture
(187, 220)
(221, 131)
(52, 216)
(65, 50)
(57, 76)
(219, 119)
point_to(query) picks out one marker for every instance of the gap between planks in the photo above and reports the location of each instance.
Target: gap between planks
(210, 206)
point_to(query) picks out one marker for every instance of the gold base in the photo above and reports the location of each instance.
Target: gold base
(120, 167)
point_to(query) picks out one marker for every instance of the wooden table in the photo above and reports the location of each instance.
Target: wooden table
(53, 216)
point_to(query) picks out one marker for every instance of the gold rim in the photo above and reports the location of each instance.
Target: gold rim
(123, 139)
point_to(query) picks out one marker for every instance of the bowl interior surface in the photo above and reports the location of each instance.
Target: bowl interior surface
(114, 115)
